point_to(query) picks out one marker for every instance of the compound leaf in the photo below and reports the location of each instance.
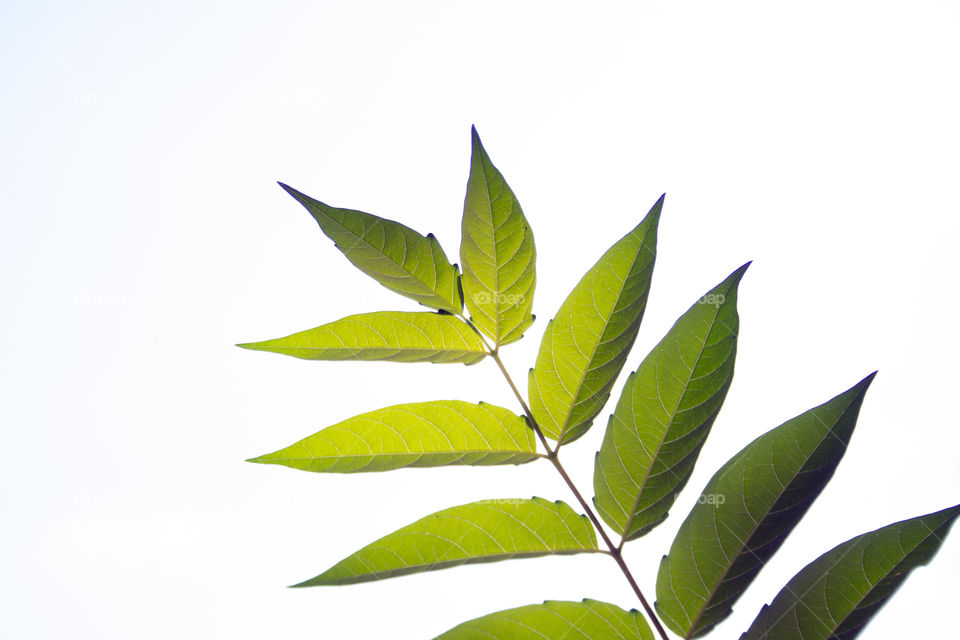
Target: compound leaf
(836, 595)
(665, 412)
(394, 255)
(497, 251)
(485, 531)
(397, 336)
(587, 620)
(423, 434)
(747, 510)
(585, 345)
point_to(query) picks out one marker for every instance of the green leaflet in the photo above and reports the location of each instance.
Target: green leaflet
(837, 594)
(747, 510)
(485, 531)
(423, 434)
(398, 336)
(665, 413)
(587, 620)
(394, 255)
(497, 252)
(585, 345)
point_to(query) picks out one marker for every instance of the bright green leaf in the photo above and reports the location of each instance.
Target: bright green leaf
(837, 594)
(394, 255)
(665, 412)
(423, 434)
(485, 531)
(398, 336)
(747, 510)
(587, 620)
(497, 252)
(587, 342)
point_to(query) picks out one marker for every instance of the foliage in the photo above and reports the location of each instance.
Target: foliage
(651, 444)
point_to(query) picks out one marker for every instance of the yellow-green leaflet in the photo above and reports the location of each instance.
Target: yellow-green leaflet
(420, 434)
(393, 254)
(587, 620)
(587, 342)
(397, 336)
(485, 531)
(665, 412)
(497, 252)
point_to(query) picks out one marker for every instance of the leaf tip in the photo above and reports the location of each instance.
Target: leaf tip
(252, 346)
(656, 210)
(735, 277)
(293, 192)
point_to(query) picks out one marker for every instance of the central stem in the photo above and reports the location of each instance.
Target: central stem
(552, 454)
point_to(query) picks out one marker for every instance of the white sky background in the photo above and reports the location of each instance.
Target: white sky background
(143, 235)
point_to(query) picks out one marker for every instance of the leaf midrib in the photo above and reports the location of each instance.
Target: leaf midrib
(403, 349)
(491, 557)
(411, 455)
(496, 258)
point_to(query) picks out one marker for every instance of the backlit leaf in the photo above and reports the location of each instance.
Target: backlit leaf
(485, 531)
(665, 412)
(837, 594)
(394, 255)
(423, 434)
(497, 252)
(747, 510)
(398, 336)
(587, 620)
(587, 342)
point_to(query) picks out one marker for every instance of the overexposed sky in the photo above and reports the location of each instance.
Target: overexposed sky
(144, 235)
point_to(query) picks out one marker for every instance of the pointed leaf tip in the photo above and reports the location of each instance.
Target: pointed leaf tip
(864, 384)
(290, 190)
